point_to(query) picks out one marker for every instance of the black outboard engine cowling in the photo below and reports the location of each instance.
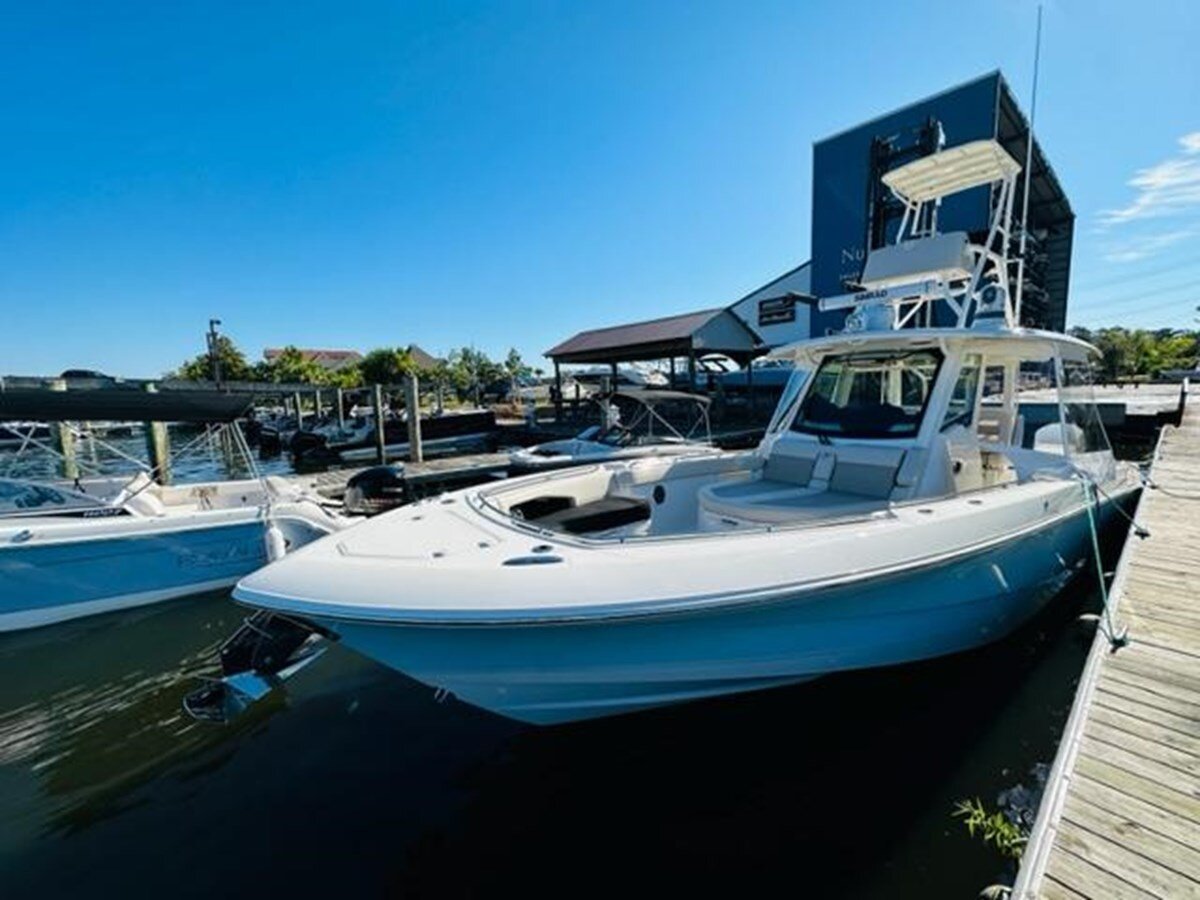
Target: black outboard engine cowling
(267, 650)
(310, 448)
(377, 490)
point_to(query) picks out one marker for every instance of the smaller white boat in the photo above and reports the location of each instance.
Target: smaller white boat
(650, 431)
(635, 375)
(76, 548)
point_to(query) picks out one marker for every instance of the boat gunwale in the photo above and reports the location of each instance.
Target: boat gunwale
(659, 608)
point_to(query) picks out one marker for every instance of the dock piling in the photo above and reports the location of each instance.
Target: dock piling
(64, 439)
(341, 409)
(158, 446)
(380, 440)
(412, 400)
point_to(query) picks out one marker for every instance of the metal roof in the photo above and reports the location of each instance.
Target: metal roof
(709, 330)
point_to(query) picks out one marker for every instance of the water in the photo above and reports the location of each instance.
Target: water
(358, 781)
(200, 459)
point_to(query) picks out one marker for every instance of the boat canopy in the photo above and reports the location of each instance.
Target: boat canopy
(950, 171)
(651, 396)
(122, 405)
(1009, 342)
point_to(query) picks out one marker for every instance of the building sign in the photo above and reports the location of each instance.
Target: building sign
(776, 311)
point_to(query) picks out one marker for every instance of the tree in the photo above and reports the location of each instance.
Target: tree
(1126, 353)
(347, 376)
(234, 366)
(516, 369)
(386, 365)
(471, 372)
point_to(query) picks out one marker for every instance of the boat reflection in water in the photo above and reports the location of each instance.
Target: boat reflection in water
(89, 730)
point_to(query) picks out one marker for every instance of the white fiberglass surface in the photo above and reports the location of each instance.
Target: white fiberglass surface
(440, 561)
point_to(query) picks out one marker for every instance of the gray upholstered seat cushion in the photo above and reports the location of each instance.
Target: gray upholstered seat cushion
(767, 502)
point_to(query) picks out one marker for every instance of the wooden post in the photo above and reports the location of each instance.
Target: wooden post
(691, 371)
(341, 410)
(299, 410)
(317, 404)
(380, 441)
(63, 439)
(751, 400)
(558, 395)
(412, 401)
(673, 373)
(90, 438)
(158, 446)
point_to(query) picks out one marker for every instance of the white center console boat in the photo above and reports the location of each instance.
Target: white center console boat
(895, 510)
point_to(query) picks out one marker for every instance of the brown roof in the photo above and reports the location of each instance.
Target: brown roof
(423, 359)
(328, 359)
(710, 330)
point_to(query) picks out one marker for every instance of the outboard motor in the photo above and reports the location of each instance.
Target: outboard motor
(260, 656)
(376, 490)
(309, 448)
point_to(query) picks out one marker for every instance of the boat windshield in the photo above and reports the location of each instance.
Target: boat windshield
(616, 436)
(870, 394)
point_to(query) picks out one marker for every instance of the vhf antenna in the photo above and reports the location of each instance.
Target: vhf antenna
(1037, 54)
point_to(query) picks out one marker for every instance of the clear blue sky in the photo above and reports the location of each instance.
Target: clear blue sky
(361, 173)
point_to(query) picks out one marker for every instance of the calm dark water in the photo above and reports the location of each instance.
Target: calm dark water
(358, 781)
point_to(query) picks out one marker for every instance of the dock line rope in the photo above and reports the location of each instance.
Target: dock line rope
(1107, 628)
(1139, 530)
(1155, 486)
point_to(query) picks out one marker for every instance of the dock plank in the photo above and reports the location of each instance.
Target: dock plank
(1145, 767)
(1115, 703)
(1148, 677)
(1091, 881)
(1056, 890)
(1120, 861)
(1151, 817)
(1136, 785)
(1165, 852)
(1121, 813)
(1104, 723)
(1150, 702)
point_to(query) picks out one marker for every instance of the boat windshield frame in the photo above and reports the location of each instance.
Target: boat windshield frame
(812, 395)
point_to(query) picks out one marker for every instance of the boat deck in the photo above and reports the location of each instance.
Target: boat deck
(1121, 814)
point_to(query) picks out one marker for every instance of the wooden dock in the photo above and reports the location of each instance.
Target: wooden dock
(1121, 814)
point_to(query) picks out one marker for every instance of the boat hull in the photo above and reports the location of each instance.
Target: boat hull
(46, 582)
(547, 673)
